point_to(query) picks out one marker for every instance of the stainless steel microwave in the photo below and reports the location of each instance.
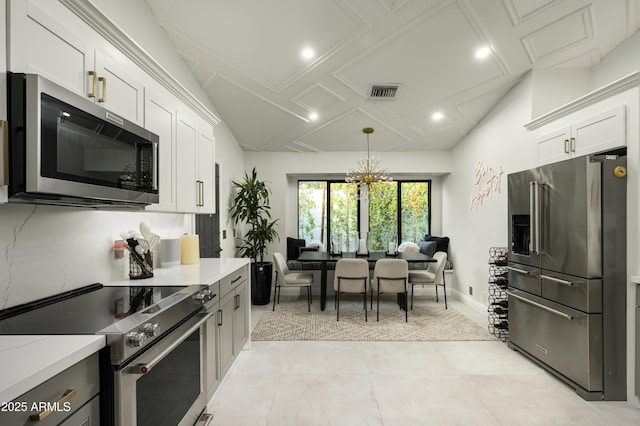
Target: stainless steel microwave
(66, 150)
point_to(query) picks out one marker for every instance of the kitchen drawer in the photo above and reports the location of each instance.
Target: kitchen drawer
(88, 415)
(567, 340)
(578, 293)
(79, 382)
(232, 281)
(524, 277)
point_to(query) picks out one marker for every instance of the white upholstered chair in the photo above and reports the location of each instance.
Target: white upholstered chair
(390, 276)
(286, 278)
(434, 276)
(351, 276)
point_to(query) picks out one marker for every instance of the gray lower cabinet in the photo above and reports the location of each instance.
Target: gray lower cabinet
(228, 330)
(233, 317)
(69, 398)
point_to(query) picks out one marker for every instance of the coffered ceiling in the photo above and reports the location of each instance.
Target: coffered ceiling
(247, 55)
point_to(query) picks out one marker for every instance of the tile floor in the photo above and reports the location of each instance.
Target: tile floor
(388, 383)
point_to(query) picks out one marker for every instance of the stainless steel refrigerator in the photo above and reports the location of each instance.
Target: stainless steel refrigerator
(567, 271)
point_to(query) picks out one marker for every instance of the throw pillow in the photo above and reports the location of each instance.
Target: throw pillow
(293, 247)
(442, 243)
(428, 247)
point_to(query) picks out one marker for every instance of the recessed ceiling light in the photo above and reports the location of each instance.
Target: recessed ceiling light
(437, 116)
(483, 52)
(307, 53)
(313, 116)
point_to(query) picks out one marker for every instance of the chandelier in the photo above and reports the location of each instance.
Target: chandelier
(369, 170)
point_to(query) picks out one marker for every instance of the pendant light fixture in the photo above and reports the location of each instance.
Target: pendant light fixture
(368, 171)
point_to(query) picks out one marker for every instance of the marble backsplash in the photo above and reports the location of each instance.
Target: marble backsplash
(45, 250)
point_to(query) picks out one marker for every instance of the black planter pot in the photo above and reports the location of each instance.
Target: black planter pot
(261, 275)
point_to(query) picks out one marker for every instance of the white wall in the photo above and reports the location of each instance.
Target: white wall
(283, 169)
(501, 142)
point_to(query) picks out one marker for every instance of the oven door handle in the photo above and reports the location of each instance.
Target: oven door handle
(146, 367)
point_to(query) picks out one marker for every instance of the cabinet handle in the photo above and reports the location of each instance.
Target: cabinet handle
(95, 84)
(201, 193)
(573, 144)
(103, 80)
(233, 281)
(236, 305)
(219, 313)
(66, 397)
(566, 146)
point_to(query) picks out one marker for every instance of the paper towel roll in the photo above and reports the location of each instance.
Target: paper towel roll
(169, 252)
(189, 249)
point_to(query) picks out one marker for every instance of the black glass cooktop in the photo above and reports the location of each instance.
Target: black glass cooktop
(82, 311)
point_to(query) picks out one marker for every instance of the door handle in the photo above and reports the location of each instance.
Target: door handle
(155, 176)
(534, 218)
(103, 80)
(95, 84)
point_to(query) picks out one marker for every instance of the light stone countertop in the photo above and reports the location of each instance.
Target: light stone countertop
(207, 271)
(27, 361)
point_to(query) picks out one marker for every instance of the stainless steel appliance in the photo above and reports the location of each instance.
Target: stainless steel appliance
(153, 369)
(64, 149)
(567, 271)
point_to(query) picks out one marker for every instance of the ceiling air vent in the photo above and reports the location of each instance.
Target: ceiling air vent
(383, 92)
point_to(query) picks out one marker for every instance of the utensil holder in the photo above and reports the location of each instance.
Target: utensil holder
(140, 266)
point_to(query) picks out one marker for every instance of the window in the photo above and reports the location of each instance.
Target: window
(397, 208)
(312, 218)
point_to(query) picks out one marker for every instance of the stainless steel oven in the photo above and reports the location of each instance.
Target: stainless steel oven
(157, 367)
(164, 386)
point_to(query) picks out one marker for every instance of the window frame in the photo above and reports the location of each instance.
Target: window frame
(399, 182)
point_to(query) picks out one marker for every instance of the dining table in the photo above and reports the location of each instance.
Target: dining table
(325, 258)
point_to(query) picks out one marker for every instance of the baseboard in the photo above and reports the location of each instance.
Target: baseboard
(469, 301)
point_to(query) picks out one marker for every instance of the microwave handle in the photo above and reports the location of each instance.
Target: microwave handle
(155, 177)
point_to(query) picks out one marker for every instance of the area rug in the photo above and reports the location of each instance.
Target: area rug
(428, 321)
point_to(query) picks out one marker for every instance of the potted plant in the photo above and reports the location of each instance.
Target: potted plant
(251, 206)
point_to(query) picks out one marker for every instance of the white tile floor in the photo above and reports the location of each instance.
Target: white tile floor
(390, 383)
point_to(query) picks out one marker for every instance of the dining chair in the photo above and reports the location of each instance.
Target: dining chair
(286, 278)
(390, 276)
(351, 276)
(431, 276)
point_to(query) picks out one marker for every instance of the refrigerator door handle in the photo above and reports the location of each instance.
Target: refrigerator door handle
(558, 280)
(518, 271)
(541, 306)
(534, 211)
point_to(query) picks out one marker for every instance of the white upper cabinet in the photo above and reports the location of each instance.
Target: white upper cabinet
(195, 164)
(602, 131)
(57, 45)
(160, 118)
(47, 38)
